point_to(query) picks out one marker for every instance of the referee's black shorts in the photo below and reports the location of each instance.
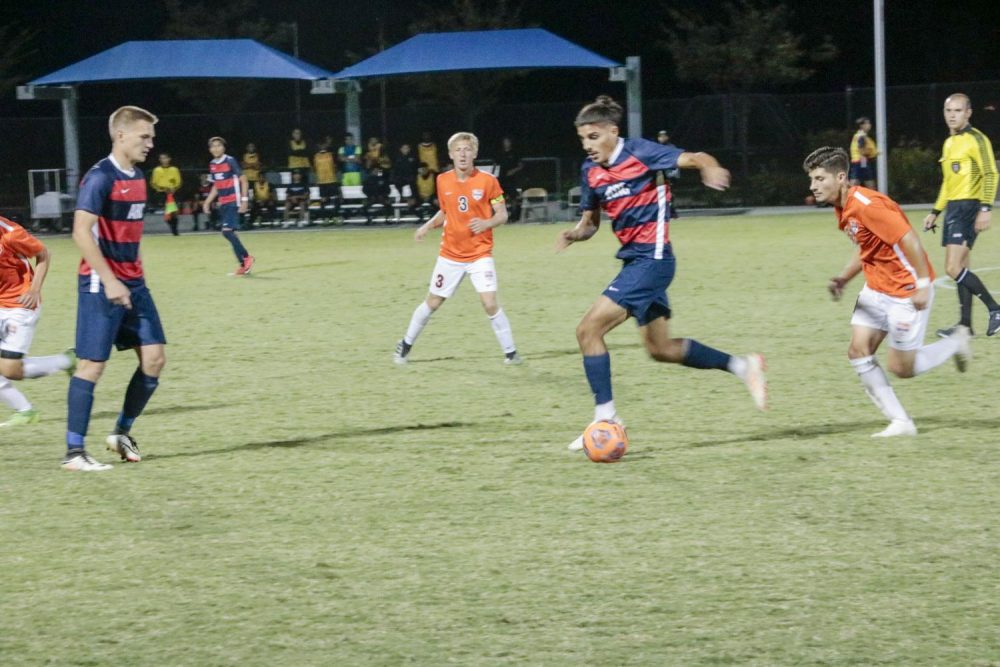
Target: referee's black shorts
(960, 222)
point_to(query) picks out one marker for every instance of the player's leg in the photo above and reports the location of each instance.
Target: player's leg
(908, 356)
(141, 331)
(958, 236)
(11, 367)
(483, 275)
(230, 224)
(445, 279)
(17, 330)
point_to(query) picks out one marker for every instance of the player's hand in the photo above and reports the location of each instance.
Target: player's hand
(30, 299)
(836, 287)
(920, 298)
(243, 207)
(420, 233)
(564, 240)
(478, 225)
(983, 221)
(929, 223)
(118, 294)
(716, 178)
(206, 208)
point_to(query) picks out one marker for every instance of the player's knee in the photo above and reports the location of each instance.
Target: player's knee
(858, 351)
(12, 369)
(153, 365)
(670, 352)
(89, 370)
(901, 368)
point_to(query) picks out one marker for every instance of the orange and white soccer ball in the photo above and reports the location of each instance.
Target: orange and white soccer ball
(605, 442)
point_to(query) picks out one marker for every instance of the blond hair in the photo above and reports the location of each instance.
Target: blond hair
(463, 136)
(125, 116)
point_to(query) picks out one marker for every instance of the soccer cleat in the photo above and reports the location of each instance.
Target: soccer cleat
(248, 263)
(994, 322)
(513, 359)
(80, 461)
(963, 355)
(944, 333)
(401, 353)
(897, 427)
(71, 355)
(29, 416)
(756, 379)
(124, 446)
(577, 445)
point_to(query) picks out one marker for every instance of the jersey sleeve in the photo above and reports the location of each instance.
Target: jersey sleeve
(94, 190)
(495, 194)
(23, 243)
(235, 166)
(888, 224)
(988, 166)
(589, 200)
(662, 156)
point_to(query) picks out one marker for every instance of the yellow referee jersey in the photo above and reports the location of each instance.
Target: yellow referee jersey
(863, 148)
(969, 168)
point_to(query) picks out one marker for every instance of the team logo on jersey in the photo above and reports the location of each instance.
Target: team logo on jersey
(477, 194)
(852, 230)
(956, 167)
(617, 190)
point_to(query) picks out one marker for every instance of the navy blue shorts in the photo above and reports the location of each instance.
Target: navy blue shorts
(859, 173)
(960, 222)
(641, 288)
(229, 217)
(101, 324)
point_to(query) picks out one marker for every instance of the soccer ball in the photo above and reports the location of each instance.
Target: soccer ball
(605, 442)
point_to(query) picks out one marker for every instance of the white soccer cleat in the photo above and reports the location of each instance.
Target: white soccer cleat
(81, 461)
(897, 427)
(963, 355)
(756, 379)
(125, 447)
(402, 351)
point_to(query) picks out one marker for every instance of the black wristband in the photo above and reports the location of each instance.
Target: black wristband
(935, 211)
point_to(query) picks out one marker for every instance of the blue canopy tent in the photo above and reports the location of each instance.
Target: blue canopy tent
(527, 48)
(143, 60)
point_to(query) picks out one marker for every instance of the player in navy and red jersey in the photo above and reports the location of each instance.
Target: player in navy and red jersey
(114, 304)
(625, 178)
(229, 186)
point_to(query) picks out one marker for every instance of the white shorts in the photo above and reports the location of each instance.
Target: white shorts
(448, 275)
(905, 324)
(17, 328)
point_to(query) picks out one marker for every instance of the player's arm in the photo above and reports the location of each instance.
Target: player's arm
(83, 236)
(437, 220)
(498, 218)
(244, 193)
(713, 175)
(837, 283)
(206, 205)
(988, 166)
(178, 181)
(33, 296)
(915, 255)
(590, 222)
(939, 204)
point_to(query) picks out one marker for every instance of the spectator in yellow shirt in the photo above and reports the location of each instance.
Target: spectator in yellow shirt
(166, 180)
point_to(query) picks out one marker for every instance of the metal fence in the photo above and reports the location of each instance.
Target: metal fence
(780, 130)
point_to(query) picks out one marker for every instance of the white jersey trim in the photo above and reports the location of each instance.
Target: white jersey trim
(662, 208)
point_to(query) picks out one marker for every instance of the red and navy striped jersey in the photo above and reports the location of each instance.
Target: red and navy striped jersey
(118, 199)
(628, 191)
(225, 175)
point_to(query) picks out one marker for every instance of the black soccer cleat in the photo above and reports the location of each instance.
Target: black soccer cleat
(994, 322)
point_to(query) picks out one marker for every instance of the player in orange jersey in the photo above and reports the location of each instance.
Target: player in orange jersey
(472, 204)
(20, 306)
(899, 287)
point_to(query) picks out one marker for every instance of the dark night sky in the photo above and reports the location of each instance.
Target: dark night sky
(919, 48)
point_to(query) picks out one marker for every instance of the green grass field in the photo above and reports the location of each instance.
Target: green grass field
(305, 502)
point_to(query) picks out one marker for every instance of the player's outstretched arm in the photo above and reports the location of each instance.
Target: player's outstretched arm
(589, 223)
(33, 296)
(713, 175)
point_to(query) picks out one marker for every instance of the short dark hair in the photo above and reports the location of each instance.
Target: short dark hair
(602, 110)
(219, 139)
(833, 160)
(862, 120)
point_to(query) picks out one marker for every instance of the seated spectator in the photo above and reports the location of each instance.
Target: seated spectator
(263, 203)
(349, 157)
(427, 152)
(325, 170)
(377, 173)
(404, 174)
(297, 201)
(251, 165)
(298, 153)
(426, 188)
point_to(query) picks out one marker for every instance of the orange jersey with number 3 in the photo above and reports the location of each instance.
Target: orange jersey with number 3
(17, 247)
(462, 202)
(876, 224)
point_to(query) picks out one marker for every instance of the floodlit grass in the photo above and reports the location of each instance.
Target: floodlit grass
(305, 502)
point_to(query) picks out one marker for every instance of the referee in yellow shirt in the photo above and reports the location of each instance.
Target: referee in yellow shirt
(967, 193)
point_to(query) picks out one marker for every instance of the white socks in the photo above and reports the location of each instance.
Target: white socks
(934, 354)
(417, 323)
(605, 412)
(878, 388)
(738, 366)
(501, 327)
(36, 367)
(12, 397)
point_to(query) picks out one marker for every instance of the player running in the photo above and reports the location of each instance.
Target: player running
(898, 292)
(625, 178)
(20, 308)
(229, 185)
(114, 306)
(472, 204)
